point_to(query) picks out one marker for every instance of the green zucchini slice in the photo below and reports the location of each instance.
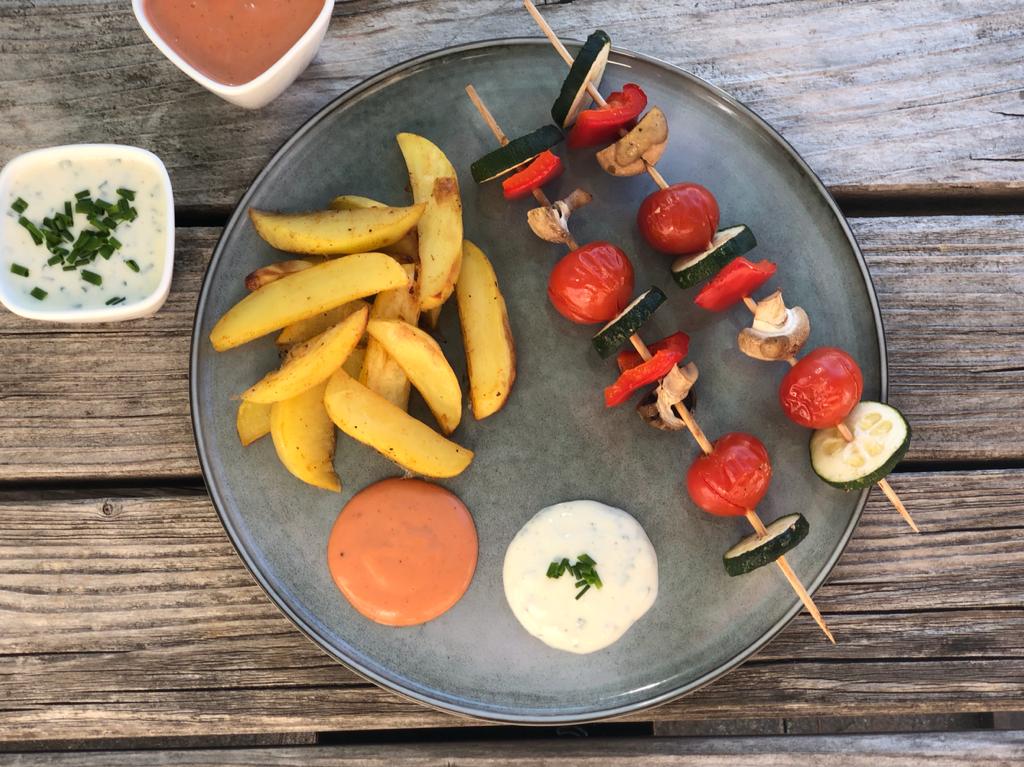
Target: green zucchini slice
(881, 436)
(725, 246)
(784, 533)
(586, 69)
(514, 154)
(617, 332)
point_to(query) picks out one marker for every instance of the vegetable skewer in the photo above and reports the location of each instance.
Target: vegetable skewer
(658, 179)
(680, 408)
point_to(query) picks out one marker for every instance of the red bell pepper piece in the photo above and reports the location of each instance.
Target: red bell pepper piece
(544, 167)
(738, 279)
(635, 378)
(677, 342)
(602, 125)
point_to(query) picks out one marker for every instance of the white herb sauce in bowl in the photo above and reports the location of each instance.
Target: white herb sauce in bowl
(111, 258)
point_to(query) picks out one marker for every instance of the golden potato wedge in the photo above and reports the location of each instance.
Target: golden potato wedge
(335, 232)
(434, 182)
(252, 422)
(303, 330)
(306, 294)
(486, 333)
(380, 373)
(424, 363)
(304, 438)
(406, 250)
(369, 418)
(311, 362)
(267, 274)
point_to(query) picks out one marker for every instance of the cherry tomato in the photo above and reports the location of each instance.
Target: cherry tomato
(592, 283)
(739, 278)
(733, 478)
(822, 388)
(679, 220)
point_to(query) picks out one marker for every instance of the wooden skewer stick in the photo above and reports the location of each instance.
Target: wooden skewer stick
(883, 483)
(549, 33)
(791, 576)
(680, 408)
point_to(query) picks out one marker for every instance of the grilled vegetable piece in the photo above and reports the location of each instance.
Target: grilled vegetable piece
(551, 223)
(587, 69)
(783, 535)
(612, 336)
(381, 373)
(725, 246)
(304, 438)
(516, 153)
(642, 146)
(881, 436)
(778, 333)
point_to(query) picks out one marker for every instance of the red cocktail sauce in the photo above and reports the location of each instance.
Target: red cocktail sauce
(232, 41)
(403, 551)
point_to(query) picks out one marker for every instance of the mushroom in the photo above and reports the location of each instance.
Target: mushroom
(648, 410)
(777, 333)
(551, 223)
(642, 146)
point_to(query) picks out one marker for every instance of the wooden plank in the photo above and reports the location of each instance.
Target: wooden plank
(111, 401)
(129, 616)
(940, 749)
(882, 95)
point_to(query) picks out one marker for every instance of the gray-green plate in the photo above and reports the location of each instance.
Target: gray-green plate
(554, 440)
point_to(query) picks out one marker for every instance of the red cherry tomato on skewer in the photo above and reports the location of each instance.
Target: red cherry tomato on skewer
(739, 278)
(822, 388)
(592, 283)
(733, 478)
(679, 220)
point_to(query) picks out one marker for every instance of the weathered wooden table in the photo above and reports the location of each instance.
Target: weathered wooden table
(126, 616)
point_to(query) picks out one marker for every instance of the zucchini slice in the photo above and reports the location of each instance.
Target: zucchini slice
(753, 552)
(881, 436)
(514, 154)
(725, 246)
(617, 332)
(586, 69)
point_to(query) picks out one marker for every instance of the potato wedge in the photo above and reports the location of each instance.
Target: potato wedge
(424, 363)
(303, 330)
(380, 373)
(306, 294)
(434, 182)
(406, 250)
(304, 438)
(267, 274)
(335, 232)
(369, 418)
(486, 333)
(311, 362)
(252, 422)
(354, 363)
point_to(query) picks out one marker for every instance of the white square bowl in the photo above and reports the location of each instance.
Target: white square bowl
(143, 307)
(263, 89)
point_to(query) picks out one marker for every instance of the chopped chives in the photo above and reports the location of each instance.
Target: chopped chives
(109, 223)
(38, 294)
(107, 251)
(37, 236)
(19, 206)
(128, 194)
(91, 277)
(70, 268)
(123, 207)
(115, 300)
(553, 570)
(83, 194)
(56, 258)
(114, 242)
(85, 206)
(583, 591)
(19, 270)
(67, 210)
(131, 264)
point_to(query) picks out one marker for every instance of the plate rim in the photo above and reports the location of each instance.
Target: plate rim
(387, 679)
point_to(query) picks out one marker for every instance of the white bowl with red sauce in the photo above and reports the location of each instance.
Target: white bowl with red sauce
(245, 51)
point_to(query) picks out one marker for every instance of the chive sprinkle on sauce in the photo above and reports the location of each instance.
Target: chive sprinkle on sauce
(19, 206)
(19, 270)
(583, 571)
(38, 293)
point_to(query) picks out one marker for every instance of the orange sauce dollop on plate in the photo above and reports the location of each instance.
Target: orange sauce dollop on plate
(403, 551)
(232, 41)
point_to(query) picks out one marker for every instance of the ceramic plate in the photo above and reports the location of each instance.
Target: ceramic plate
(555, 440)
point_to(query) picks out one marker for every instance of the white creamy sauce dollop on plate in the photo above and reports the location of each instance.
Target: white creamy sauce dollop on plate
(547, 607)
